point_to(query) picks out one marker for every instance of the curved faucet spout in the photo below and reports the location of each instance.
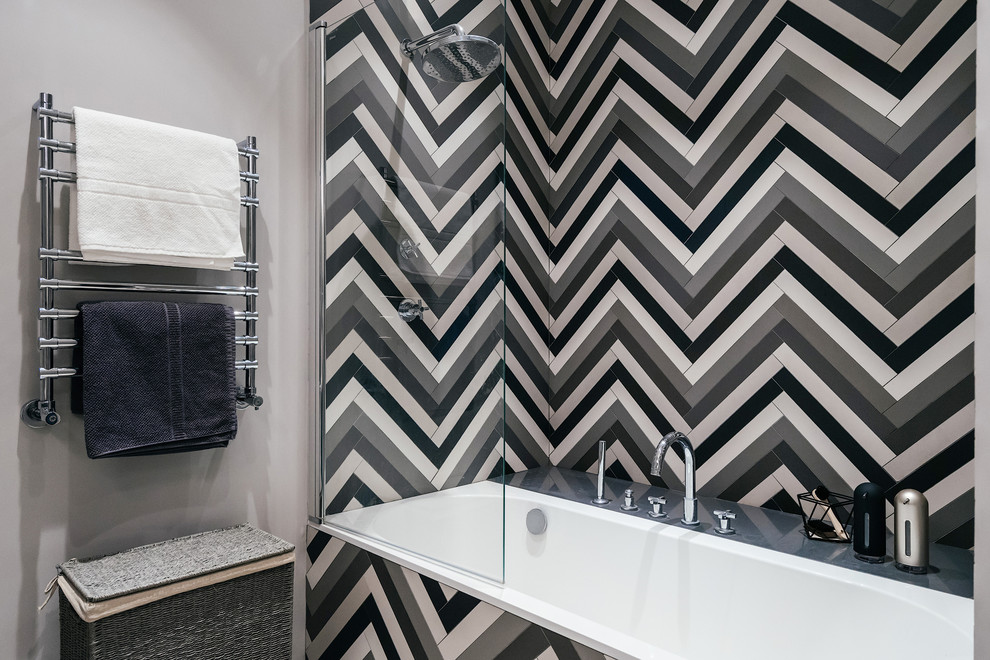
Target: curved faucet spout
(690, 494)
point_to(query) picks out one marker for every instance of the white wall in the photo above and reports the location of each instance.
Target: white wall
(230, 67)
(982, 538)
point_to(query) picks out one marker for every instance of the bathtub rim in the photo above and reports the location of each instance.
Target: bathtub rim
(588, 632)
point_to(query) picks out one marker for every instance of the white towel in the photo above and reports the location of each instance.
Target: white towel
(154, 194)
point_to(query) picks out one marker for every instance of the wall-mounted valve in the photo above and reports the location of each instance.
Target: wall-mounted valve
(39, 414)
(410, 310)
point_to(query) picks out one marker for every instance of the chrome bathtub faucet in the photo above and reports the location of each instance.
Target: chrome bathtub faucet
(690, 495)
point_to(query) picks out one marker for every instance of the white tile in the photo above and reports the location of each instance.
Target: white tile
(736, 169)
(933, 443)
(738, 444)
(720, 237)
(836, 329)
(925, 310)
(403, 443)
(728, 339)
(731, 289)
(651, 223)
(473, 433)
(843, 74)
(580, 242)
(731, 403)
(831, 454)
(934, 358)
(706, 29)
(643, 275)
(874, 42)
(581, 296)
(923, 34)
(845, 154)
(836, 277)
(581, 429)
(465, 397)
(576, 397)
(735, 56)
(834, 405)
(933, 219)
(859, 219)
(602, 309)
(491, 308)
(742, 94)
(661, 339)
(648, 384)
(937, 159)
(931, 81)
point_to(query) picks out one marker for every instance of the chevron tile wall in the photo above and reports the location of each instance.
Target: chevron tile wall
(748, 220)
(414, 211)
(761, 233)
(362, 606)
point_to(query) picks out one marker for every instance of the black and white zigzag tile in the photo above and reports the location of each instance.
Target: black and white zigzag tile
(760, 232)
(750, 221)
(415, 210)
(362, 606)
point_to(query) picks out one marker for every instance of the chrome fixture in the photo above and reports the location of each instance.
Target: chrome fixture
(451, 56)
(690, 496)
(41, 412)
(408, 249)
(600, 499)
(629, 501)
(725, 519)
(536, 522)
(410, 310)
(656, 507)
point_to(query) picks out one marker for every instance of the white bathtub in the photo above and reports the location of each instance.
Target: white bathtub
(639, 590)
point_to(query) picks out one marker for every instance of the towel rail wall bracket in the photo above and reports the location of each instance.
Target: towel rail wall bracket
(41, 412)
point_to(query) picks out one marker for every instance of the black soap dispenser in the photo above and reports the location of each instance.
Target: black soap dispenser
(869, 527)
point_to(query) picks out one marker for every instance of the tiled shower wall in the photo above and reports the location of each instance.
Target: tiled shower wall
(761, 233)
(415, 210)
(749, 221)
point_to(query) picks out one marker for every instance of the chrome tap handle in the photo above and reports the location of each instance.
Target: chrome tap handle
(629, 501)
(657, 507)
(725, 519)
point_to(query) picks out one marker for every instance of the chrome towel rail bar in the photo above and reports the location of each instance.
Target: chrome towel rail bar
(70, 372)
(41, 412)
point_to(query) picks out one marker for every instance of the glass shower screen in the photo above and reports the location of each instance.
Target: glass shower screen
(411, 225)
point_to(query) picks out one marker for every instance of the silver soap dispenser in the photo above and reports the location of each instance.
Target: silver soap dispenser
(911, 531)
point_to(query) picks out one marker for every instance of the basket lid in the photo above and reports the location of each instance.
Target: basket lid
(159, 564)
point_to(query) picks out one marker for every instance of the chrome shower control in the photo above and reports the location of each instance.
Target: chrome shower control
(725, 519)
(408, 249)
(410, 310)
(629, 501)
(657, 507)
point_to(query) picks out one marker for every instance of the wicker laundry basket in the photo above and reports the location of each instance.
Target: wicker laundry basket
(218, 595)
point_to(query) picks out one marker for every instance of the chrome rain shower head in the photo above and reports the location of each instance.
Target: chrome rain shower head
(451, 56)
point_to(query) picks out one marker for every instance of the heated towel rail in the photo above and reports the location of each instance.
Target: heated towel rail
(41, 412)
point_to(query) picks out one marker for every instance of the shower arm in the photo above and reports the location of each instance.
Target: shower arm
(409, 47)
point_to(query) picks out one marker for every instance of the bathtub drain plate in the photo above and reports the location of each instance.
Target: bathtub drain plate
(536, 522)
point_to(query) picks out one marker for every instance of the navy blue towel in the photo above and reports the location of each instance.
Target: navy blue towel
(157, 377)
